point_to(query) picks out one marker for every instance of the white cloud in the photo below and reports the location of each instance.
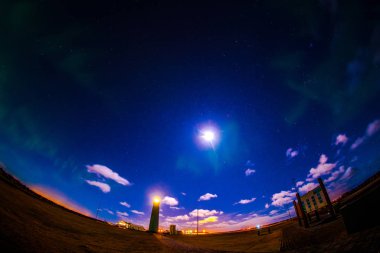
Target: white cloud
(291, 153)
(273, 212)
(222, 224)
(341, 139)
(204, 213)
(348, 174)
(299, 183)
(178, 218)
(246, 222)
(245, 201)
(359, 141)
(122, 214)
(125, 204)
(251, 215)
(249, 172)
(267, 205)
(373, 127)
(107, 173)
(335, 175)
(109, 211)
(323, 159)
(102, 186)
(176, 207)
(170, 201)
(307, 187)
(207, 196)
(137, 212)
(282, 198)
(183, 193)
(323, 168)
(211, 219)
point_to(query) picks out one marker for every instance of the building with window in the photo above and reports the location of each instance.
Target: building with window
(308, 205)
(313, 200)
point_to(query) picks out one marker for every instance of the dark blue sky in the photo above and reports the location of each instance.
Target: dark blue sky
(292, 88)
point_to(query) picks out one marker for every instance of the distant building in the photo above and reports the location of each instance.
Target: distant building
(309, 204)
(313, 200)
(154, 218)
(129, 225)
(173, 230)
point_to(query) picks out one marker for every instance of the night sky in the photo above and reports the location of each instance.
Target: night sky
(103, 105)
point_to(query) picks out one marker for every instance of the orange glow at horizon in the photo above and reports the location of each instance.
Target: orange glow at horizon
(59, 199)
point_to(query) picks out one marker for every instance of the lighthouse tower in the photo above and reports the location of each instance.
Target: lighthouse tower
(154, 217)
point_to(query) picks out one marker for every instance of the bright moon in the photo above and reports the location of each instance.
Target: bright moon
(208, 136)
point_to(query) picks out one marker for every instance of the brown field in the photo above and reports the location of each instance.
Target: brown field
(31, 223)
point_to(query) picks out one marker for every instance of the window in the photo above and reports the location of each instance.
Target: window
(319, 197)
(313, 199)
(308, 203)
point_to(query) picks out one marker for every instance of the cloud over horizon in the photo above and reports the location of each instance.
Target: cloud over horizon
(170, 201)
(122, 214)
(107, 173)
(371, 130)
(102, 186)
(323, 168)
(137, 212)
(245, 201)
(307, 187)
(283, 198)
(204, 213)
(123, 203)
(210, 219)
(184, 217)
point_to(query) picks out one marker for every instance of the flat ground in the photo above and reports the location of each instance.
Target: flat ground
(30, 223)
(289, 237)
(240, 242)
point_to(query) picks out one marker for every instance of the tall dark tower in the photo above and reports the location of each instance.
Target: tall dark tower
(329, 205)
(154, 217)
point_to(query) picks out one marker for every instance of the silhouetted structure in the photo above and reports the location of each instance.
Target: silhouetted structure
(329, 205)
(173, 230)
(129, 225)
(296, 207)
(154, 217)
(359, 207)
(302, 211)
(311, 202)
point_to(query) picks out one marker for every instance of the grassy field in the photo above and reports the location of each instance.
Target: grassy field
(241, 242)
(31, 223)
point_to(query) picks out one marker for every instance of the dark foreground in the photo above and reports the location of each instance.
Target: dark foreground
(30, 223)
